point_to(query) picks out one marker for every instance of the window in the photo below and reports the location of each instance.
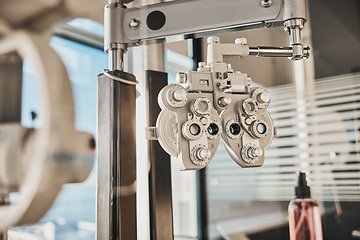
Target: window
(318, 133)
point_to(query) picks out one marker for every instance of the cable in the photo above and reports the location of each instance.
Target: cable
(107, 73)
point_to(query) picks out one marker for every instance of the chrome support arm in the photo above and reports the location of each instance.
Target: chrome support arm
(189, 18)
(276, 52)
(176, 20)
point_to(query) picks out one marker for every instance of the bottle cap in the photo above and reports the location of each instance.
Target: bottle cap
(302, 190)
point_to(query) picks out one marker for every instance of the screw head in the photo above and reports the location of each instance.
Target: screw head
(266, 3)
(213, 39)
(201, 64)
(134, 23)
(241, 41)
(264, 97)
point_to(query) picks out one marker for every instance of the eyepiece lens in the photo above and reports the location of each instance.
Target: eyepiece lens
(213, 129)
(194, 129)
(235, 129)
(261, 128)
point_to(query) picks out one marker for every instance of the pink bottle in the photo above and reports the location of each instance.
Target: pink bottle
(304, 213)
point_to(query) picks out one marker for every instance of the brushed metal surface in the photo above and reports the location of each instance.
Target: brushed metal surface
(116, 213)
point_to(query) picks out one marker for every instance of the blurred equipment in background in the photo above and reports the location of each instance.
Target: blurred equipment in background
(36, 162)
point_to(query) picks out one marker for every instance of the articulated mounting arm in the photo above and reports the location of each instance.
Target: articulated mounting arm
(186, 19)
(216, 51)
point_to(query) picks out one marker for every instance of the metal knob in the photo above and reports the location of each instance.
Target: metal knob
(203, 154)
(213, 39)
(263, 97)
(224, 101)
(241, 41)
(180, 95)
(254, 152)
(181, 77)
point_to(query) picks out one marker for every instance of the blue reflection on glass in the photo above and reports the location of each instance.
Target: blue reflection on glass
(76, 202)
(88, 25)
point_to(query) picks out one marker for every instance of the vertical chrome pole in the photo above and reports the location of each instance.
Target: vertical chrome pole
(113, 36)
(154, 56)
(116, 58)
(202, 201)
(116, 180)
(116, 208)
(160, 193)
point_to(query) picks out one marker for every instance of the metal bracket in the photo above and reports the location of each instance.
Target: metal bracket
(197, 19)
(151, 134)
(161, 21)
